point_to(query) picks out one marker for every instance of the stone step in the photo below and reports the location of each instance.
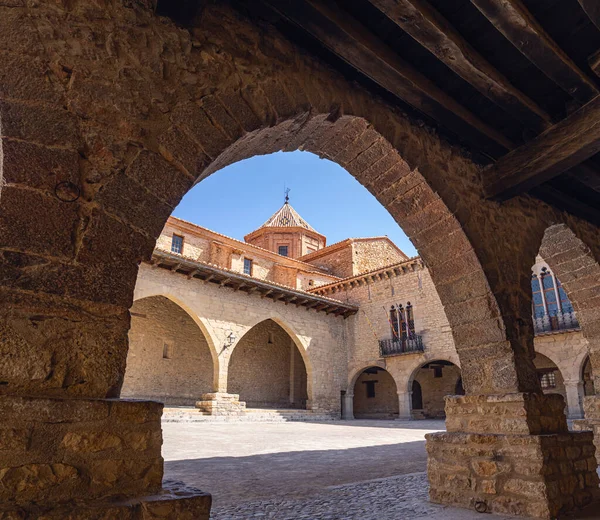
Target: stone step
(250, 415)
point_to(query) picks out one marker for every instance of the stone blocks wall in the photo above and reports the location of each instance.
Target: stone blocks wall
(187, 372)
(531, 475)
(55, 450)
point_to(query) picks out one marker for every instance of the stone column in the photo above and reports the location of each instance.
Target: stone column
(574, 389)
(405, 400)
(348, 412)
(292, 370)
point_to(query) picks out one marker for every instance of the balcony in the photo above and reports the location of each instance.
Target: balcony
(396, 347)
(557, 322)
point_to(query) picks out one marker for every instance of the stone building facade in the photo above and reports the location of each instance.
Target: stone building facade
(394, 357)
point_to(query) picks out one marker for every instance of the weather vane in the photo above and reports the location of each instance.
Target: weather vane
(287, 195)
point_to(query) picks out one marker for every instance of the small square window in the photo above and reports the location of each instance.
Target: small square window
(283, 250)
(167, 351)
(438, 372)
(177, 244)
(248, 266)
(311, 283)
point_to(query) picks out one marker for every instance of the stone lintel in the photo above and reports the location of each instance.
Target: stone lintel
(517, 413)
(54, 450)
(539, 476)
(174, 501)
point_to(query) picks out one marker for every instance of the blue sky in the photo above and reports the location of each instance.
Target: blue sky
(241, 197)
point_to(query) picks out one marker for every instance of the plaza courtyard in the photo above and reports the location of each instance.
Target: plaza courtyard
(362, 469)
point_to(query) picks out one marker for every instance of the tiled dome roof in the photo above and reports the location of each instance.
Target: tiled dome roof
(287, 216)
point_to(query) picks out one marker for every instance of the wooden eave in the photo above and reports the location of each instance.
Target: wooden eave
(252, 286)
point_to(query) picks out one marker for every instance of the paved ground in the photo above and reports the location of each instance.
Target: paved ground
(342, 470)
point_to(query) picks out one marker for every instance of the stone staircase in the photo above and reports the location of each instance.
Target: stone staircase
(189, 414)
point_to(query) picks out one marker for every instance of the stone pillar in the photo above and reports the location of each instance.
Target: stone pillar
(404, 400)
(591, 406)
(348, 411)
(511, 454)
(292, 371)
(574, 389)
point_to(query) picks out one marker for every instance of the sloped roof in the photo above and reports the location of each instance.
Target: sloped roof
(287, 216)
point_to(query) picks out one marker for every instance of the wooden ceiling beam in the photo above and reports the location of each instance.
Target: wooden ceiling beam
(592, 9)
(520, 28)
(561, 147)
(353, 43)
(428, 27)
(556, 196)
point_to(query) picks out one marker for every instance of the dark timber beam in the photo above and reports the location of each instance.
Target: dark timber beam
(565, 145)
(427, 26)
(592, 8)
(520, 28)
(349, 40)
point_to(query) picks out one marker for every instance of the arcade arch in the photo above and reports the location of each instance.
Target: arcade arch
(169, 357)
(429, 384)
(267, 369)
(375, 395)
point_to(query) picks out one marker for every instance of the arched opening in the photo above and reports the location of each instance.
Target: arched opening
(587, 378)
(267, 370)
(459, 390)
(416, 396)
(436, 379)
(375, 395)
(169, 358)
(551, 379)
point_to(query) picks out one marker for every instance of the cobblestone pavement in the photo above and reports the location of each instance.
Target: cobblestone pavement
(338, 470)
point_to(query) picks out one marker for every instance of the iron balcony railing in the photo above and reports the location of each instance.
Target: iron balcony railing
(556, 322)
(396, 346)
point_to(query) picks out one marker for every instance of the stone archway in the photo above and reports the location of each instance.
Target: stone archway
(118, 155)
(551, 378)
(587, 378)
(267, 370)
(169, 357)
(375, 395)
(436, 379)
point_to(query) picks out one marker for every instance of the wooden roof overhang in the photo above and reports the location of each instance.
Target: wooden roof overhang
(226, 278)
(516, 82)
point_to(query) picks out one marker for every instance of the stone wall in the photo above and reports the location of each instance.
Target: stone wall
(335, 260)
(224, 311)
(188, 370)
(371, 323)
(385, 402)
(434, 389)
(263, 369)
(371, 254)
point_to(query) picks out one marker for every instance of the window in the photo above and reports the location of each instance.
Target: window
(549, 293)
(538, 299)
(311, 283)
(410, 320)
(548, 380)
(283, 250)
(395, 320)
(370, 385)
(177, 244)
(438, 371)
(565, 303)
(167, 351)
(248, 266)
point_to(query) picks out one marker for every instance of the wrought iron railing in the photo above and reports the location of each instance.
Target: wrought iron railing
(395, 346)
(555, 322)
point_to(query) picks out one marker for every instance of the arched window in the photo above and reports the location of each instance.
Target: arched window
(410, 319)
(565, 303)
(394, 323)
(549, 292)
(539, 310)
